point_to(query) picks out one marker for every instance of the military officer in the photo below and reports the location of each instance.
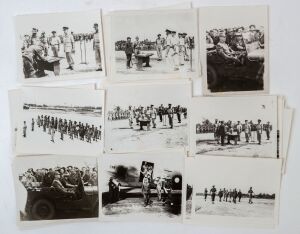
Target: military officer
(168, 42)
(159, 47)
(222, 132)
(259, 130)
(213, 191)
(69, 47)
(175, 47)
(250, 192)
(268, 128)
(153, 114)
(247, 131)
(96, 47)
(55, 44)
(239, 129)
(128, 51)
(170, 115)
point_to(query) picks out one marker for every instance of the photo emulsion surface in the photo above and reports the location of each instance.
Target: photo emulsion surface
(62, 121)
(144, 117)
(60, 44)
(144, 186)
(229, 126)
(154, 43)
(56, 187)
(236, 56)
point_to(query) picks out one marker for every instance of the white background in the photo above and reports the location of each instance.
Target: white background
(284, 73)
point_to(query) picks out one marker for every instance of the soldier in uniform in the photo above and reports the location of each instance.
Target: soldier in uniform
(220, 194)
(175, 47)
(168, 42)
(247, 131)
(250, 192)
(43, 41)
(160, 112)
(205, 194)
(55, 44)
(52, 134)
(137, 45)
(259, 130)
(239, 194)
(239, 129)
(146, 190)
(152, 113)
(24, 129)
(178, 113)
(216, 131)
(268, 129)
(170, 115)
(213, 191)
(222, 132)
(128, 51)
(159, 47)
(96, 47)
(69, 47)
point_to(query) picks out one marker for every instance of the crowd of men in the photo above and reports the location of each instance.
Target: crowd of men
(233, 131)
(228, 195)
(64, 179)
(146, 116)
(36, 48)
(64, 127)
(231, 43)
(177, 46)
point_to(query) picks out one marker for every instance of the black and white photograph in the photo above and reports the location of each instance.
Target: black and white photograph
(147, 116)
(56, 187)
(145, 187)
(60, 121)
(234, 54)
(237, 191)
(160, 43)
(234, 126)
(59, 46)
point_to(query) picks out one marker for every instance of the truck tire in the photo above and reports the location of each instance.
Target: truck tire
(212, 77)
(42, 209)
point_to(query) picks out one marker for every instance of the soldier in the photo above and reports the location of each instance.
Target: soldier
(213, 191)
(230, 195)
(222, 132)
(44, 42)
(52, 134)
(131, 116)
(234, 195)
(239, 195)
(69, 47)
(146, 190)
(32, 124)
(55, 44)
(178, 113)
(220, 194)
(268, 129)
(168, 42)
(152, 113)
(170, 115)
(159, 47)
(128, 51)
(247, 131)
(24, 129)
(175, 47)
(259, 129)
(160, 112)
(205, 194)
(96, 47)
(159, 187)
(216, 131)
(137, 46)
(250, 192)
(239, 129)
(186, 46)
(224, 194)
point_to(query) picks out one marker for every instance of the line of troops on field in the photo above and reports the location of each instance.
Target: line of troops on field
(230, 43)
(64, 179)
(146, 116)
(228, 195)
(233, 131)
(176, 46)
(74, 129)
(35, 49)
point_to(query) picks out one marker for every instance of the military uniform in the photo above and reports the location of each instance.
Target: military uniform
(68, 42)
(128, 51)
(159, 47)
(259, 129)
(55, 44)
(213, 194)
(96, 46)
(247, 132)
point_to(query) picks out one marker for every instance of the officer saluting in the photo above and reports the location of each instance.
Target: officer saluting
(69, 47)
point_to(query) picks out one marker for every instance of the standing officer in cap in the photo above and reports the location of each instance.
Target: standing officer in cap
(96, 47)
(159, 42)
(55, 44)
(168, 42)
(175, 47)
(128, 51)
(247, 131)
(69, 47)
(259, 129)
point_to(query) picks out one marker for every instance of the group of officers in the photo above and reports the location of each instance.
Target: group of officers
(176, 46)
(227, 195)
(230, 43)
(35, 49)
(234, 131)
(146, 116)
(64, 179)
(74, 129)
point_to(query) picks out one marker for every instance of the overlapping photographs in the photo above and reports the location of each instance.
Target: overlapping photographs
(234, 126)
(160, 43)
(56, 187)
(234, 55)
(147, 116)
(145, 186)
(60, 45)
(60, 121)
(237, 191)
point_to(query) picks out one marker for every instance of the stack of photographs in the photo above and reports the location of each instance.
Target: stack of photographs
(140, 145)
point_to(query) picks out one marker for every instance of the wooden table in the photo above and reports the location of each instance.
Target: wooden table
(141, 59)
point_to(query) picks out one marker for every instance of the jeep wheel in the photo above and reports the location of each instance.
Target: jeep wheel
(212, 77)
(42, 210)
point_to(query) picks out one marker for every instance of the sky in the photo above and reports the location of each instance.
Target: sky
(226, 17)
(241, 173)
(63, 96)
(235, 108)
(78, 22)
(148, 25)
(156, 94)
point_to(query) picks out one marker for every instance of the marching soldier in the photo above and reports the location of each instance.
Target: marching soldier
(52, 134)
(69, 47)
(55, 44)
(128, 51)
(259, 129)
(170, 115)
(213, 191)
(96, 47)
(239, 195)
(159, 47)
